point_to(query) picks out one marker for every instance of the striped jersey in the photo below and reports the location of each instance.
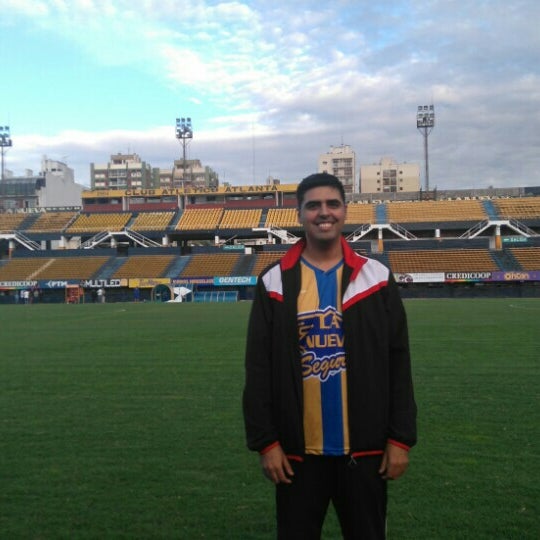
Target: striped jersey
(324, 369)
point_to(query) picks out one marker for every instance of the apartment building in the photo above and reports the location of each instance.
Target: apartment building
(129, 171)
(53, 186)
(189, 173)
(123, 171)
(388, 176)
(341, 162)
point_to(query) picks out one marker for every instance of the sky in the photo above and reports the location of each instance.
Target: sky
(269, 86)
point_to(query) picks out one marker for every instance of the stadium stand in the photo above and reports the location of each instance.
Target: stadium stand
(436, 211)
(359, 214)
(199, 219)
(144, 266)
(51, 222)
(430, 237)
(11, 222)
(241, 219)
(263, 259)
(43, 268)
(22, 269)
(528, 258)
(93, 223)
(442, 260)
(211, 264)
(152, 221)
(518, 208)
(282, 218)
(71, 267)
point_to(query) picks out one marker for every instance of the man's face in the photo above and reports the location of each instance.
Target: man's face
(322, 215)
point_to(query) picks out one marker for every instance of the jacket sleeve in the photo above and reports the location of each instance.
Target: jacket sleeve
(402, 426)
(257, 395)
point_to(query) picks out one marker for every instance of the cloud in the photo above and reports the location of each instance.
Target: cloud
(271, 86)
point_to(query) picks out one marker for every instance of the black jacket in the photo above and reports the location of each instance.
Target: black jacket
(381, 403)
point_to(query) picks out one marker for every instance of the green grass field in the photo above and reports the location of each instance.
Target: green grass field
(124, 421)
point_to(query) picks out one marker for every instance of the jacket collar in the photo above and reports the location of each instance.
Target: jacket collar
(350, 257)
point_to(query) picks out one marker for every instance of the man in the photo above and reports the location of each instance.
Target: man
(328, 399)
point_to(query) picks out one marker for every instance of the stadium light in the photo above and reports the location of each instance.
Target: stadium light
(184, 132)
(425, 122)
(5, 142)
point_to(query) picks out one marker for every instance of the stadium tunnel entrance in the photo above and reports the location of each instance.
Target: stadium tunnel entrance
(161, 293)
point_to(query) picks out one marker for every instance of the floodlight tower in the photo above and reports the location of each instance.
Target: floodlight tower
(184, 133)
(425, 121)
(5, 142)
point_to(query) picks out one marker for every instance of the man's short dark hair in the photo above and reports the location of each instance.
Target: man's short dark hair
(318, 180)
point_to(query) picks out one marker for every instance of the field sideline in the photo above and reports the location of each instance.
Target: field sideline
(123, 421)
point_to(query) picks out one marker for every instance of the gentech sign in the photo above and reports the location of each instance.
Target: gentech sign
(235, 281)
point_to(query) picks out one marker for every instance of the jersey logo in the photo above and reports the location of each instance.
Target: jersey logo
(321, 343)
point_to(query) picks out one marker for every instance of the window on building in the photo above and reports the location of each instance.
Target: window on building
(390, 180)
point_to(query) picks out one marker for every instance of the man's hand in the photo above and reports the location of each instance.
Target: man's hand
(276, 466)
(394, 462)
